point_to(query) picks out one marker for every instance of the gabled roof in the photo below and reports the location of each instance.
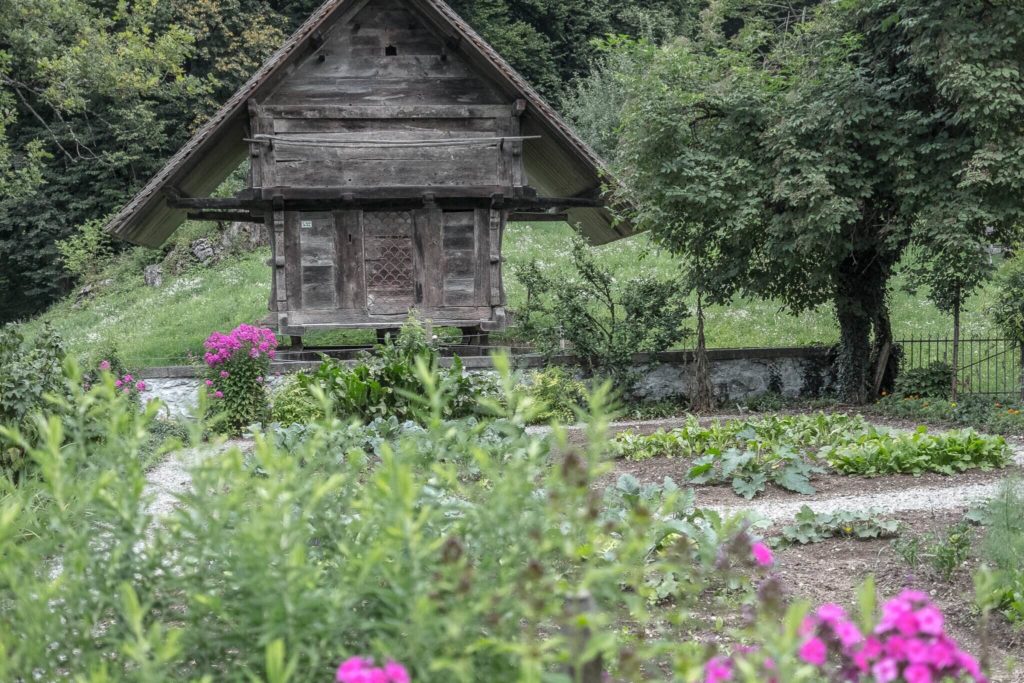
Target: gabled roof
(559, 164)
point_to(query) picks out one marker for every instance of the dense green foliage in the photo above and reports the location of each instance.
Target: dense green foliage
(878, 452)
(801, 159)
(932, 381)
(604, 321)
(28, 374)
(1003, 548)
(559, 395)
(293, 404)
(319, 551)
(1008, 309)
(395, 380)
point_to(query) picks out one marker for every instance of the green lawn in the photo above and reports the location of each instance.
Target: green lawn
(152, 327)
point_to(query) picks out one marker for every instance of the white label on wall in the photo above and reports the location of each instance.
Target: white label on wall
(307, 225)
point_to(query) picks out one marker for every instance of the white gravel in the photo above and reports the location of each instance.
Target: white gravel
(172, 478)
(952, 497)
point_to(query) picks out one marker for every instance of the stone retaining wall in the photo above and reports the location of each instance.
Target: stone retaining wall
(737, 375)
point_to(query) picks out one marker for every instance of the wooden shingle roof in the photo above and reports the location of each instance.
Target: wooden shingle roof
(558, 164)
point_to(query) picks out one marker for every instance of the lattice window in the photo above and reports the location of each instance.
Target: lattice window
(389, 260)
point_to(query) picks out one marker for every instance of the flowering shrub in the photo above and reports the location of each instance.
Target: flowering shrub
(361, 670)
(127, 384)
(237, 367)
(908, 645)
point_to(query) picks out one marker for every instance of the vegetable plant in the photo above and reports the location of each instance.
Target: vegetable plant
(811, 527)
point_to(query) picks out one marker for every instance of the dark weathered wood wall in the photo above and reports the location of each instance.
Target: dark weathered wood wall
(381, 76)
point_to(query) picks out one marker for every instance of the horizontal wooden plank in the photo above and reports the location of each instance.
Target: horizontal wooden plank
(460, 264)
(408, 111)
(381, 173)
(440, 316)
(318, 287)
(381, 65)
(337, 157)
(346, 130)
(335, 195)
(387, 91)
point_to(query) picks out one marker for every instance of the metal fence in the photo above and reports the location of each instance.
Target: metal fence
(988, 367)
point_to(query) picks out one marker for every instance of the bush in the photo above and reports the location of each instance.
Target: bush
(237, 367)
(934, 381)
(87, 251)
(1003, 548)
(294, 404)
(559, 395)
(1008, 310)
(29, 372)
(298, 559)
(606, 321)
(392, 382)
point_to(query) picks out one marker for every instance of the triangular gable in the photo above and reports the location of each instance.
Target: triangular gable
(559, 164)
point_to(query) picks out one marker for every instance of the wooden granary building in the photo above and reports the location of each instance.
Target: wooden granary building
(389, 145)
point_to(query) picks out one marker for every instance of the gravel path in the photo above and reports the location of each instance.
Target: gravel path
(171, 478)
(930, 498)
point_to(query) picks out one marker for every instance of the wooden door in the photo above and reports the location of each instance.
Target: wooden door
(317, 238)
(390, 267)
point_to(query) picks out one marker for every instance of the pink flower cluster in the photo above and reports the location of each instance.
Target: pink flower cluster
(253, 341)
(126, 384)
(362, 670)
(909, 644)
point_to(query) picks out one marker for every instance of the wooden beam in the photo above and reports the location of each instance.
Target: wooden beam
(538, 217)
(385, 198)
(228, 216)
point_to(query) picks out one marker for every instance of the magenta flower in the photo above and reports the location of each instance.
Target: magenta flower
(814, 652)
(209, 382)
(118, 384)
(886, 671)
(362, 670)
(848, 633)
(918, 673)
(105, 366)
(930, 621)
(218, 394)
(831, 613)
(140, 386)
(762, 554)
(718, 669)
(396, 673)
(129, 379)
(224, 374)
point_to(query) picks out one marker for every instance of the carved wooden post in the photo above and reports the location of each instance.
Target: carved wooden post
(579, 637)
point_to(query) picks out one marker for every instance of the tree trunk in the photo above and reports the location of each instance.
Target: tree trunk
(862, 313)
(955, 390)
(703, 393)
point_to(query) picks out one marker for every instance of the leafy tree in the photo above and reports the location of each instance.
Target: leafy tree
(606, 321)
(801, 159)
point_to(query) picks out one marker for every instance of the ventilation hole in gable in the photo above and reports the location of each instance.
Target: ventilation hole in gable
(391, 51)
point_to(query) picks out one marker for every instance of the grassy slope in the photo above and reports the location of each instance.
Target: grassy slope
(151, 327)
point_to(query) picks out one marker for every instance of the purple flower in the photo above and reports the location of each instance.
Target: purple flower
(105, 366)
(218, 394)
(140, 386)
